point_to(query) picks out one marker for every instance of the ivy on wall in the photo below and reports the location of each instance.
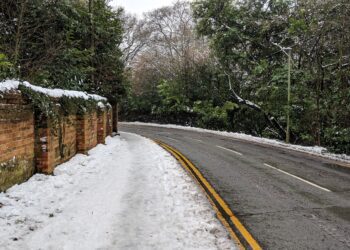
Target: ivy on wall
(54, 108)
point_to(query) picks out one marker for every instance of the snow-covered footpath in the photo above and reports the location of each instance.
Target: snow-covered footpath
(128, 194)
(315, 150)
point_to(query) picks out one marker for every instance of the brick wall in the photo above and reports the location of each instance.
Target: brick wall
(86, 132)
(54, 143)
(109, 122)
(30, 142)
(101, 126)
(69, 141)
(16, 140)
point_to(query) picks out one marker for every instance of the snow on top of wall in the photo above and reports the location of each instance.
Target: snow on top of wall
(12, 85)
(101, 105)
(8, 85)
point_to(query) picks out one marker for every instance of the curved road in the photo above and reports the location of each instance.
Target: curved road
(286, 199)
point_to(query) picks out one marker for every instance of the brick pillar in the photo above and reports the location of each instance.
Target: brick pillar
(86, 132)
(44, 150)
(101, 125)
(109, 121)
(81, 134)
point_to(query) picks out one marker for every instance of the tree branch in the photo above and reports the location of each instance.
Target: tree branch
(268, 117)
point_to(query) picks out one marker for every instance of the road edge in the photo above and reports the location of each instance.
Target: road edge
(236, 229)
(341, 163)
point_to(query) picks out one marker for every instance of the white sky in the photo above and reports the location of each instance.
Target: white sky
(140, 6)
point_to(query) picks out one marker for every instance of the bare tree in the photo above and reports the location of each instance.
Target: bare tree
(162, 45)
(173, 41)
(136, 37)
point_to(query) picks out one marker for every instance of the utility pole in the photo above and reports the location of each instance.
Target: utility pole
(288, 52)
(288, 98)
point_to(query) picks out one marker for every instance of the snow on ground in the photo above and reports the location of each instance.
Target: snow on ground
(127, 194)
(315, 150)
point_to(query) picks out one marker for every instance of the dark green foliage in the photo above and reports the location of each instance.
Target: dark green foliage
(213, 117)
(41, 103)
(6, 67)
(54, 109)
(243, 37)
(107, 77)
(63, 44)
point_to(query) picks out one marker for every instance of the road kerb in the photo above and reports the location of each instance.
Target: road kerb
(236, 229)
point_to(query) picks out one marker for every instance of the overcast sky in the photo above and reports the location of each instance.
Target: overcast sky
(140, 6)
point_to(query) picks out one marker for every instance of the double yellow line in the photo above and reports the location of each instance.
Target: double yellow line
(236, 229)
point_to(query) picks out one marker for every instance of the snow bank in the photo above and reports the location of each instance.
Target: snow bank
(11, 85)
(128, 194)
(315, 150)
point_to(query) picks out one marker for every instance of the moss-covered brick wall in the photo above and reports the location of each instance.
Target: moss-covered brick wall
(54, 143)
(39, 131)
(16, 139)
(109, 122)
(86, 132)
(101, 126)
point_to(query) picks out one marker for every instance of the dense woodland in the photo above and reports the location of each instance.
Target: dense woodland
(72, 44)
(217, 64)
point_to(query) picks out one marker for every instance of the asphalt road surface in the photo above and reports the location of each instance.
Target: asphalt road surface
(286, 199)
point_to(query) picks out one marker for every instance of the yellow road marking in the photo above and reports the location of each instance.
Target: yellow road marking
(239, 226)
(219, 215)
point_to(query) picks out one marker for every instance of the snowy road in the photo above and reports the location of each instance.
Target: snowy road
(286, 199)
(128, 194)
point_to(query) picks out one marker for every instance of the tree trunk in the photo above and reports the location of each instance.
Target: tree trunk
(318, 109)
(92, 39)
(115, 109)
(19, 37)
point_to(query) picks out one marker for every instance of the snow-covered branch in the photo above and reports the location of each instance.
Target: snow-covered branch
(271, 120)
